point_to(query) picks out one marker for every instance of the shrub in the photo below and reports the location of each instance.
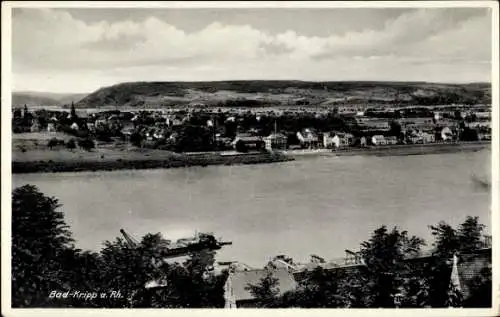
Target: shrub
(86, 144)
(71, 144)
(54, 142)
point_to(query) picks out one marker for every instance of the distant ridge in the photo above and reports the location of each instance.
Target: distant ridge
(264, 92)
(33, 98)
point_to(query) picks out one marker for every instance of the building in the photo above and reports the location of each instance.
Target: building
(392, 140)
(308, 138)
(91, 126)
(51, 127)
(245, 142)
(378, 140)
(100, 123)
(484, 136)
(276, 141)
(419, 123)
(478, 124)
(470, 267)
(238, 296)
(35, 127)
(428, 137)
(446, 134)
(368, 123)
(337, 139)
(362, 141)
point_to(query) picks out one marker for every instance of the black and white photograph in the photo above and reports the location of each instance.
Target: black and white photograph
(229, 155)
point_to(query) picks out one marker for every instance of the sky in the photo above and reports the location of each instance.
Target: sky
(80, 50)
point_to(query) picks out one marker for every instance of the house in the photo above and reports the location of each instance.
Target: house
(478, 124)
(245, 142)
(483, 115)
(484, 136)
(100, 123)
(35, 127)
(237, 295)
(51, 127)
(419, 123)
(276, 141)
(368, 123)
(91, 126)
(362, 141)
(446, 134)
(378, 140)
(392, 140)
(428, 137)
(337, 139)
(308, 138)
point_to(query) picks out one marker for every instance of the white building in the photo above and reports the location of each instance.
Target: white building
(51, 127)
(378, 140)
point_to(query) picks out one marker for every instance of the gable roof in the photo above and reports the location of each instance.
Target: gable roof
(240, 280)
(276, 136)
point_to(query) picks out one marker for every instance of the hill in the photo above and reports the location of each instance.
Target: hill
(32, 98)
(268, 93)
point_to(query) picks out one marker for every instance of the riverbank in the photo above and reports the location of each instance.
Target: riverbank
(108, 160)
(396, 150)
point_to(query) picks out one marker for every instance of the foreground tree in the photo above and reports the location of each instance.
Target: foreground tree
(40, 238)
(466, 239)
(266, 291)
(387, 270)
(321, 289)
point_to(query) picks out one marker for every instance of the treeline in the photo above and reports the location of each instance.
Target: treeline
(45, 259)
(394, 275)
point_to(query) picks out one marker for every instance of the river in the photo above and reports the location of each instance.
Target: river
(314, 205)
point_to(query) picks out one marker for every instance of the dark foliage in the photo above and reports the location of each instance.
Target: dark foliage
(40, 238)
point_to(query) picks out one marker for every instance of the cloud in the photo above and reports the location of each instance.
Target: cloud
(52, 41)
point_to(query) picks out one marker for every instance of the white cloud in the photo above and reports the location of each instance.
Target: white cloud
(53, 47)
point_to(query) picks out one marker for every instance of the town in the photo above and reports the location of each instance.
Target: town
(199, 129)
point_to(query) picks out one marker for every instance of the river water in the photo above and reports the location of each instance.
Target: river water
(314, 205)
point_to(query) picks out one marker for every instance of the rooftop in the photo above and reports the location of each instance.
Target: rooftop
(240, 280)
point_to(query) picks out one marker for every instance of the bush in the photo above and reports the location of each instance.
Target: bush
(54, 142)
(86, 144)
(241, 147)
(71, 144)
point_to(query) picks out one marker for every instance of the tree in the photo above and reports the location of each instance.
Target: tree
(320, 289)
(40, 237)
(449, 241)
(71, 144)
(44, 259)
(17, 113)
(136, 138)
(469, 134)
(395, 128)
(86, 144)
(127, 269)
(470, 235)
(266, 291)
(241, 147)
(53, 142)
(385, 257)
(194, 138)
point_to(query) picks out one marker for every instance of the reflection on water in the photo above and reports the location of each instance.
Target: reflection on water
(316, 205)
